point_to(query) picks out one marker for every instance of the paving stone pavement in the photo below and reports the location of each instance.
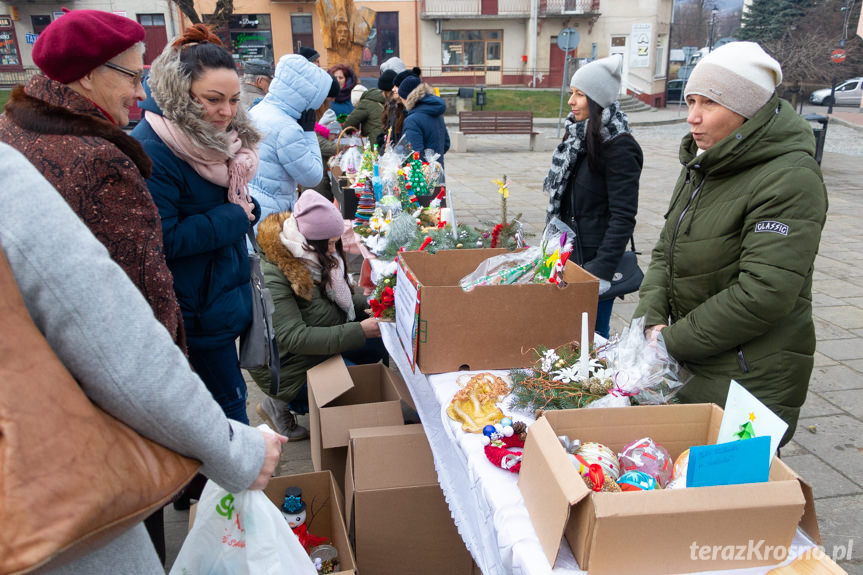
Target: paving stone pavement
(827, 449)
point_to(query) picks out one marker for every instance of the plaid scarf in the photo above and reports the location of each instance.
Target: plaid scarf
(614, 123)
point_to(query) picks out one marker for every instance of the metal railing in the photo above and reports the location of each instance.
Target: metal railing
(515, 8)
(11, 78)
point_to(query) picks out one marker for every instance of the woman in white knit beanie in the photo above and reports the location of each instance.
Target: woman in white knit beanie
(593, 180)
(740, 77)
(729, 287)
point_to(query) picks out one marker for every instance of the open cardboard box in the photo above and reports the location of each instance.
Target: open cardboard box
(343, 398)
(324, 514)
(442, 328)
(653, 532)
(324, 498)
(402, 523)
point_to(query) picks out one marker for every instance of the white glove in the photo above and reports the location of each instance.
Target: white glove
(604, 286)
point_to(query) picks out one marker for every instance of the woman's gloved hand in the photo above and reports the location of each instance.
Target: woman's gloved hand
(307, 120)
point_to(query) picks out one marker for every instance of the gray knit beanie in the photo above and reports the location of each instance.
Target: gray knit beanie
(395, 64)
(740, 76)
(599, 80)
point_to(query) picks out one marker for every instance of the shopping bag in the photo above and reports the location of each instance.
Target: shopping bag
(240, 534)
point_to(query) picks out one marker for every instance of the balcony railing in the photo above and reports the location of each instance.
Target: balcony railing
(432, 9)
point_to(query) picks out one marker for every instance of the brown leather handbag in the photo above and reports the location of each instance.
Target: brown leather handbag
(72, 477)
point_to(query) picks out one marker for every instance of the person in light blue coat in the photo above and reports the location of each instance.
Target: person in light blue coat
(289, 153)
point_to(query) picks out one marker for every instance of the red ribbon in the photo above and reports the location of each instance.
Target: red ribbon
(425, 243)
(597, 476)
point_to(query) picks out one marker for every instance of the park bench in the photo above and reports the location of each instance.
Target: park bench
(511, 122)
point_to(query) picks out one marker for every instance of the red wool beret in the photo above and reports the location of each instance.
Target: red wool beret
(83, 40)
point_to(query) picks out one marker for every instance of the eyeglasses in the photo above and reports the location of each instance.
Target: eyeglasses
(137, 77)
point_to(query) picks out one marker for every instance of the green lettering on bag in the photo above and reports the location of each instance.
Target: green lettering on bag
(225, 508)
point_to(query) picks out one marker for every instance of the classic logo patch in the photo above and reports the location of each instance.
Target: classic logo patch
(771, 226)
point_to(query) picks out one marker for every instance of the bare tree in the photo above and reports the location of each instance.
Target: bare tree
(221, 15)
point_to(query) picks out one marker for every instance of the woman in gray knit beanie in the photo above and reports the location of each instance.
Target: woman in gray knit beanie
(729, 287)
(593, 180)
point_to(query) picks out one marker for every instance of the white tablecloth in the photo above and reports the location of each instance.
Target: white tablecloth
(484, 500)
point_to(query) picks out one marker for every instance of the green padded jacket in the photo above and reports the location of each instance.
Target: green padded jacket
(731, 273)
(367, 114)
(309, 327)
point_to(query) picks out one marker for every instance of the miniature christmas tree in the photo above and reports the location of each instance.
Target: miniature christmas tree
(418, 184)
(367, 165)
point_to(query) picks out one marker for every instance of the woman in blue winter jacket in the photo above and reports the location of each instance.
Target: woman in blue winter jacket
(290, 154)
(424, 126)
(204, 154)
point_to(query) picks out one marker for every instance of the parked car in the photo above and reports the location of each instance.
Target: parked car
(135, 112)
(674, 91)
(848, 93)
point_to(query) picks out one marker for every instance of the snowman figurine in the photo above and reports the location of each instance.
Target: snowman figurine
(294, 511)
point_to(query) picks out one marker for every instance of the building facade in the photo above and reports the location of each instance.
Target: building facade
(515, 42)
(22, 22)
(455, 42)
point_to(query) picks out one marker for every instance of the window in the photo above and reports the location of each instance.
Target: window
(661, 59)
(39, 22)
(9, 55)
(471, 49)
(383, 41)
(248, 36)
(151, 19)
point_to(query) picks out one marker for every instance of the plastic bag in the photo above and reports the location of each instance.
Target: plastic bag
(644, 370)
(432, 170)
(505, 269)
(238, 534)
(557, 244)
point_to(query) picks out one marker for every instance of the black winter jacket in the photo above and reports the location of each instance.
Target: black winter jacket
(601, 207)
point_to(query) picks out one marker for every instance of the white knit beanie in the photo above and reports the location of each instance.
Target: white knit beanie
(740, 76)
(599, 80)
(357, 93)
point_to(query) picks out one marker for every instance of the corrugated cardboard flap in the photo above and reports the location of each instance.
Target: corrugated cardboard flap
(549, 485)
(330, 379)
(337, 421)
(391, 457)
(809, 522)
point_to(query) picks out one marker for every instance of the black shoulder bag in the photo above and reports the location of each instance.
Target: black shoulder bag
(258, 345)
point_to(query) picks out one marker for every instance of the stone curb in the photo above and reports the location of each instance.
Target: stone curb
(845, 123)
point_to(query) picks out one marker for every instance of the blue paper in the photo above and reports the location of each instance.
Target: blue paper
(744, 461)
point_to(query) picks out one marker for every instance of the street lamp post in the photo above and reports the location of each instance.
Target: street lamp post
(713, 14)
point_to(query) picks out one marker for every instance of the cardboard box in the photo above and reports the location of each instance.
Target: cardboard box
(442, 328)
(322, 496)
(323, 500)
(654, 532)
(343, 398)
(402, 523)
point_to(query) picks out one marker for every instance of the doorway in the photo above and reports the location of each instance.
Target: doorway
(620, 45)
(155, 35)
(302, 33)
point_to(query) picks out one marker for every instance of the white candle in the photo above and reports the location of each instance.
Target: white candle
(584, 358)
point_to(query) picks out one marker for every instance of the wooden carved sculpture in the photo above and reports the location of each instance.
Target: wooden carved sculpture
(345, 29)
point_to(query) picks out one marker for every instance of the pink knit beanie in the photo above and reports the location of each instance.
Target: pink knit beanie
(317, 217)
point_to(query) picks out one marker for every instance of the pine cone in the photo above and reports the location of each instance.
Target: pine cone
(519, 429)
(597, 388)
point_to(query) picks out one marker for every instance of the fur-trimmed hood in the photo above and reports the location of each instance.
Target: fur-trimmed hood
(419, 93)
(46, 106)
(167, 89)
(296, 272)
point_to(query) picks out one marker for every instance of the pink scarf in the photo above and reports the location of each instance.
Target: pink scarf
(214, 166)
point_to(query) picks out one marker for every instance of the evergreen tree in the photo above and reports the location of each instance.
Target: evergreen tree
(767, 21)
